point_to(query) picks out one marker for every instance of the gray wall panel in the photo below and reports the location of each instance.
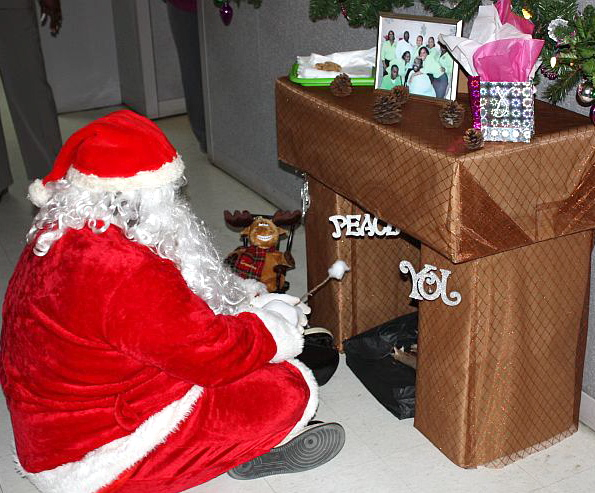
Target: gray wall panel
(242, 62)
(169, 83)
(81, 61)
(240, 120)
(149, 69)
(132, 83)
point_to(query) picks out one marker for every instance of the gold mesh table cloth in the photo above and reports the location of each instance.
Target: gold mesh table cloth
(499, 375)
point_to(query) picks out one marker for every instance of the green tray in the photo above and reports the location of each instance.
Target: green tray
(358, 81)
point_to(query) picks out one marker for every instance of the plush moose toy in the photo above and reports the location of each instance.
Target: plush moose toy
(259, 257)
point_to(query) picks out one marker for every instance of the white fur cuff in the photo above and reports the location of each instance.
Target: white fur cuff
(288, 338)
(312, 405)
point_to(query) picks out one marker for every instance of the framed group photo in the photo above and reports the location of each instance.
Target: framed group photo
(409, 54)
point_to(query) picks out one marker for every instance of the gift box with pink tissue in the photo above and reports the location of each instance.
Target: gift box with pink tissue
(501, 58)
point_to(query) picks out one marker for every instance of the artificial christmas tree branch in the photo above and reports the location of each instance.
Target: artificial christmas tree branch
(559, 89)
(465, 9)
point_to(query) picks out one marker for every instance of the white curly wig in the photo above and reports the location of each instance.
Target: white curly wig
(159, 218)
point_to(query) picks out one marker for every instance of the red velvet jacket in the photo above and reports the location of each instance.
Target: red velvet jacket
(99, 335)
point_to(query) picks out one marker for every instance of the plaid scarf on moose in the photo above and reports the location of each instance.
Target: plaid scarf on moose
(249, 263)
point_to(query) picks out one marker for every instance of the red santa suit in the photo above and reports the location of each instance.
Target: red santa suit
(116, 375)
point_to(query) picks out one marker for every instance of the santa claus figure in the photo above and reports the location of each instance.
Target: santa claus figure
(132, 360)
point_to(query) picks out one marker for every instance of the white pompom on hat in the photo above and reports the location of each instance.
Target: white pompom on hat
(118, 152)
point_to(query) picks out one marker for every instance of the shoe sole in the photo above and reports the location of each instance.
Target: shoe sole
(314, 447)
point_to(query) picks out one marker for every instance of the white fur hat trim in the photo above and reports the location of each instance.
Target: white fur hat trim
(39, 194)
(168, 173)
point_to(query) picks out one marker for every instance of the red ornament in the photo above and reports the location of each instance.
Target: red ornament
(344, 11)
(226, 13)
(550, 74)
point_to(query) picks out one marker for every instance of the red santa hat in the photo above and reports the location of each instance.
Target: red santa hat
(121, 151)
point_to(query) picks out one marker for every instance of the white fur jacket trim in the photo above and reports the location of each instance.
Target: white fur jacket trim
(102, 466)
(288, 338)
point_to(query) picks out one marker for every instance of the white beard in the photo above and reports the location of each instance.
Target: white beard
(158, 218)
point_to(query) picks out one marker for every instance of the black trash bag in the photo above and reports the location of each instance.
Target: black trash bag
(320, 355)
(369, 357)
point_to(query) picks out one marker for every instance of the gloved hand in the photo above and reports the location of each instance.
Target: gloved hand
(283, 304)
(292, 315)
(285, 317)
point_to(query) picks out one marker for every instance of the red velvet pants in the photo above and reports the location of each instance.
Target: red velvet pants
(229, 425)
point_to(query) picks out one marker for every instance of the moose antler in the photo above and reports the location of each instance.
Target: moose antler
(287, 218)
(238, 219)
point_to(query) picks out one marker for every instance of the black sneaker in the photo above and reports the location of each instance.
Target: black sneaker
(315, 445)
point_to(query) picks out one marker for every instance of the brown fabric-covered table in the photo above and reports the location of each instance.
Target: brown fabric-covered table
(499, 375)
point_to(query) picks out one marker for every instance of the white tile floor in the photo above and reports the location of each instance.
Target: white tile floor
(381, 453)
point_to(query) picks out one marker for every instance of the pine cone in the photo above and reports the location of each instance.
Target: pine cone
(473, 139)
(452, 114)
(386, 109)
(401, 94)
(341, 86)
